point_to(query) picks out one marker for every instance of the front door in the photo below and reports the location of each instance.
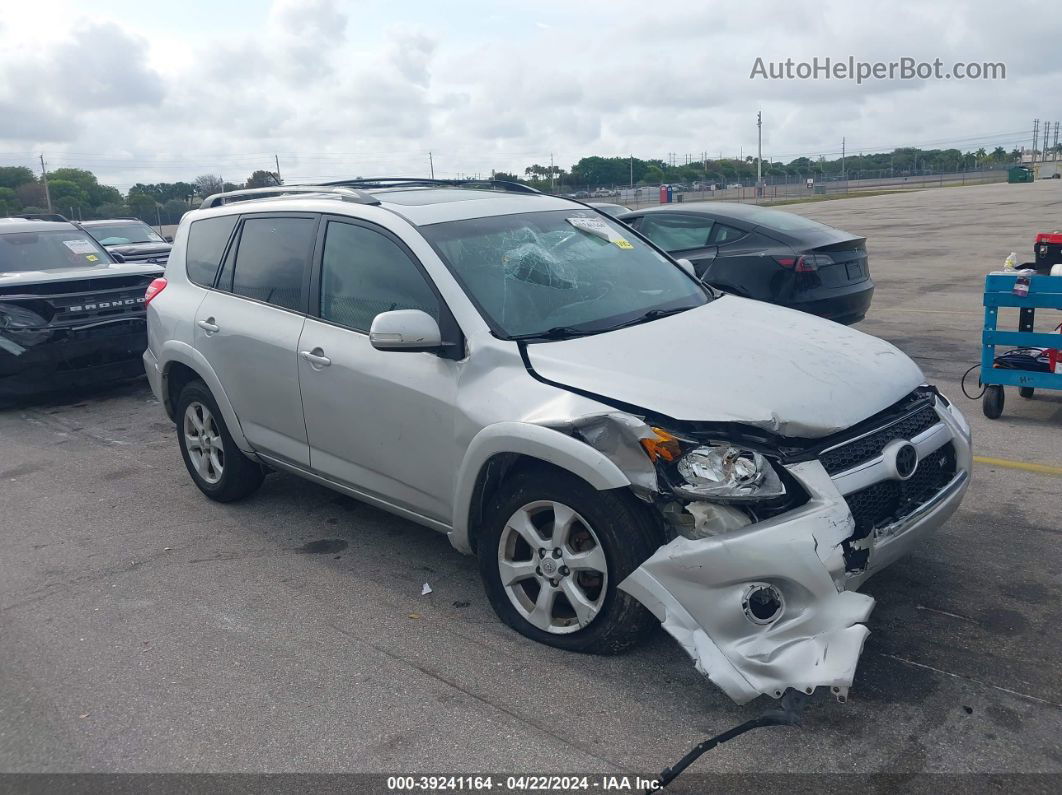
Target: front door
(379, 421)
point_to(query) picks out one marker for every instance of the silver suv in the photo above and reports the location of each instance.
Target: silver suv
(614, 440)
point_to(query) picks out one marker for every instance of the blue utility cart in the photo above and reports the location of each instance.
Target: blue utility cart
(1045, 292)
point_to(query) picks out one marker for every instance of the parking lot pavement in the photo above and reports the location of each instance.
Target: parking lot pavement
(143, 628)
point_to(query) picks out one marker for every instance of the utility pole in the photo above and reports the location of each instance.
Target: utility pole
(276, 159)
(1055, 143)
(551, 172)
(759, 149)
(842, 157)
(431, 166)
(1036, 138)
(44, 176)
(632, 172)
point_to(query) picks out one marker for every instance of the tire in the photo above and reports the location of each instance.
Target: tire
(992, 402)
(1026, 392)
(608, 528)
(217, 466)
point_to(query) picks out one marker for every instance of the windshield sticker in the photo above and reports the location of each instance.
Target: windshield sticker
(92, 258)
(80, 246)
(598, 228)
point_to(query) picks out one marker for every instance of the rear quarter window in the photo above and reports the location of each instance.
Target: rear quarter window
(207, 240)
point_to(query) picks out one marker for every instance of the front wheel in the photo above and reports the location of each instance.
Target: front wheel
(552, 554)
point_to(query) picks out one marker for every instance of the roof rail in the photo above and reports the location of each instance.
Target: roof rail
(248, 194)
(43, 217)
(427, 182)
(113, 218)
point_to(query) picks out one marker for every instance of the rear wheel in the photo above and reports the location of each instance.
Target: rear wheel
(552, 554)
(217, 466)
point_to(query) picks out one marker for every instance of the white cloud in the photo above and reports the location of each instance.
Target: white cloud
(338, 88)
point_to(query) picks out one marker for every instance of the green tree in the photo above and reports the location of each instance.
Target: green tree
(143, 207)
(9, 202)
(263, 179)
(13, 176)
(206, 184)
(67, 196)
(172, 210)
(112, 210)
(31, 194)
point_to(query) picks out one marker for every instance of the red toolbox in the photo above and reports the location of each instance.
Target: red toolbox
(1048, 249)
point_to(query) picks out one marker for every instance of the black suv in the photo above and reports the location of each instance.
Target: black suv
(69, 314)
(130, 238)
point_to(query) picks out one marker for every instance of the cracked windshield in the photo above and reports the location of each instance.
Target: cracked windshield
(562, 273)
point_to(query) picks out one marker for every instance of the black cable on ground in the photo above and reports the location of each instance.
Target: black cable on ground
(791, 705)
(962, 384)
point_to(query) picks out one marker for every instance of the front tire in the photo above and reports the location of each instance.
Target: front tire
(217, 466)
(552, 553)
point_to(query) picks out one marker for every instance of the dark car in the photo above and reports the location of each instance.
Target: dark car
(767, 254)
(131, 238)
(69, 314)
(615, 210)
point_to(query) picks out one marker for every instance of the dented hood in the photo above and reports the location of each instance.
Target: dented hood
(737, 360)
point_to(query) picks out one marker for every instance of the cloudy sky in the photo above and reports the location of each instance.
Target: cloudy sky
(145, 92)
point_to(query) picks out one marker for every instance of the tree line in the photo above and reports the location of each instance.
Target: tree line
(601, 172)
(77, 193)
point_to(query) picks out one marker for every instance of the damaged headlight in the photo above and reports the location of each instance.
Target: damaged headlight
(726, 473)
(716, 471)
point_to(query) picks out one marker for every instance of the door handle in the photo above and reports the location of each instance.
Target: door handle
(208, 326)
(316, 357)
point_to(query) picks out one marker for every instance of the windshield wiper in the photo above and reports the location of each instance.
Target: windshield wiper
(557, 333)
(652, 314)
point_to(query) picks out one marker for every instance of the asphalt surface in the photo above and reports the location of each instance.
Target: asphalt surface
(144, 628)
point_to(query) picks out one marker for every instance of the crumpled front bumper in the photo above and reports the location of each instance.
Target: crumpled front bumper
(698, 589)
(55, 358)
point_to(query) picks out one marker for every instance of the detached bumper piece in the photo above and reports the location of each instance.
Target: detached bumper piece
(759, 610)
(772, 606)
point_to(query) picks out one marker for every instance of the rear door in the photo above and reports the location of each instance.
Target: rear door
(248, 328)
(379, 421)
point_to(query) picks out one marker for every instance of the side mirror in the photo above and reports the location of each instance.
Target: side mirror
(168, 238)
(687, 266)
(405, 330)
(117, 257)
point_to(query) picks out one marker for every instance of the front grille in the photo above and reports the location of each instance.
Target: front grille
(890, 500)
(159, 256)
(76, 308)
(869, 447)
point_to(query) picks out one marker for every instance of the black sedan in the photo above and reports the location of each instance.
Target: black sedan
(765, 254)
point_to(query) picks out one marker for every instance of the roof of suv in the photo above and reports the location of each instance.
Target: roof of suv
(101, 221)
(420, 206)
(11, 225)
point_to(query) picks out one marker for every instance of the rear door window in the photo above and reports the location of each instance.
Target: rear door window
(723, 234)
(272, 260)
(207, 240)
(676, 232)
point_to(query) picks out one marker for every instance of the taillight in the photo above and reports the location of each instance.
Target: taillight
(153, 289)
(805, 263)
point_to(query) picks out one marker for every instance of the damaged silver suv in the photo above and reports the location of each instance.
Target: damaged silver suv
(618, 443)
